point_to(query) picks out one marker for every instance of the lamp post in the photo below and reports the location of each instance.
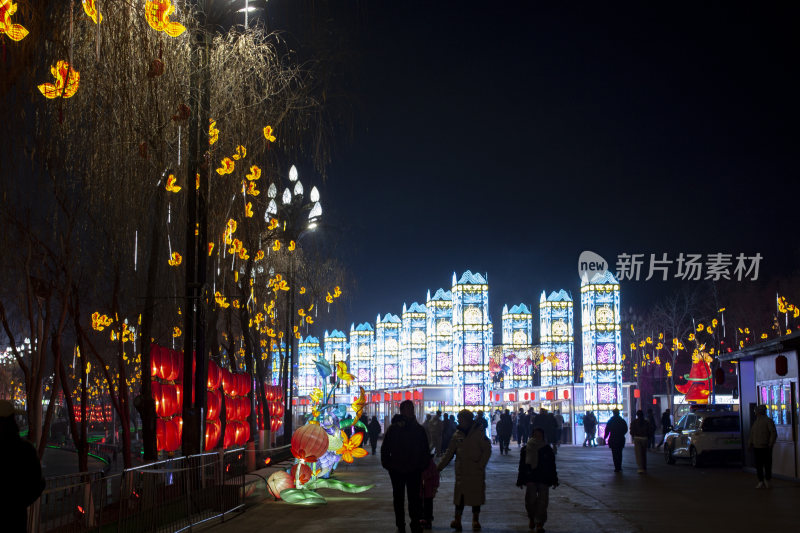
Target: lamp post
(296, 217)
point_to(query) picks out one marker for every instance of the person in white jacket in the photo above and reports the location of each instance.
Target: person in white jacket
(762, 439)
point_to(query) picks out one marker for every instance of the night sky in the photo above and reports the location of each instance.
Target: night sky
(507, 137)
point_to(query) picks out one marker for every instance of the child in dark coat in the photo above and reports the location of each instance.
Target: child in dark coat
(537, 472)
(430, 483)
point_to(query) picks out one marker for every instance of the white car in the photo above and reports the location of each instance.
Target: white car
(702, 435)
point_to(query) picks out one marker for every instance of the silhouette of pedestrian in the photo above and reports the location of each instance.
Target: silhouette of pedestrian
(22, 474)
(616, 428)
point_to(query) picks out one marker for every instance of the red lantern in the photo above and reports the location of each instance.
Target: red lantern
(155, 389)
(214, 400)
(214, 376)
(512, 397)
(155, 359)
(533, 396)
(527, 396)
(655, 401)
(565, 394)
(309, 443)
(169, 400)
(305, 473)
(636, 393)
(246, 408)
(227, 383)
(417, 394)
(172, 437)
(227, 440)
(213, 429)
(161, 434)
(386, 397)
(551, 395)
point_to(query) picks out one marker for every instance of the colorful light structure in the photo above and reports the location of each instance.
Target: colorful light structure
(517, 340)
(413, 345)
(362, 355)
(307, 377)
(439, 319)
(335, 351)
(602, 368)
(556, 338)
(387, 350)
(472, 341)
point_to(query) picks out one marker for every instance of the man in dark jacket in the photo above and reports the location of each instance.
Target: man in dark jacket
(374, 431)
(666, 426)
(537, 472)
(616, 428)
(504, 429)
(22, 474)
(524, 427)
(404, 453)
(448, 430)
(590, 428)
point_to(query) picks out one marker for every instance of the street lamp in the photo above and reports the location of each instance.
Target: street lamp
(298, 216)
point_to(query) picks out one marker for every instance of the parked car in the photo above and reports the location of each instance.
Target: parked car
(702, 435)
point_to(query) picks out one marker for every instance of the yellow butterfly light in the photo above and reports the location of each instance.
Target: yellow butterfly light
(157, 14)
(91, 9)
(15, 32)
(268, 134)
(67, 81)
(171, 187)
(175, 259)
(213, 132)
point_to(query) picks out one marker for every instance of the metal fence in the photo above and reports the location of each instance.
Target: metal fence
(167, 496)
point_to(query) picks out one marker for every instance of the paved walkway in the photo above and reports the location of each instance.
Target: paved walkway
(591, 498)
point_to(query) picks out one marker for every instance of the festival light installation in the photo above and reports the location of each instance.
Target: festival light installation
(67, 81)
(157, 14)
(413, 345)
(698, 381)
(15, 32)
(387, 350)
(517, 340)
(602, 368)
(440, 366)
(307, 377)
(362, 355)
(556, 338)
(335, 350)
(472, 341)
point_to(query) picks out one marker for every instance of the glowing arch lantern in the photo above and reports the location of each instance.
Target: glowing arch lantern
(309, 442)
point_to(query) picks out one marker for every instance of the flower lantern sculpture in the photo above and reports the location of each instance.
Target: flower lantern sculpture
(321, 443)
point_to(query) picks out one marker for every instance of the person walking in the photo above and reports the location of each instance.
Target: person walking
(504, 429)
(373, 432)
(616, 428)
(435, 433)
(426, 425)
(448, 429)
(514, 426)
(482, 421)
(590, 428)
(472, 450)
(666, 426)
(404, 453)
(651, 422)
(430, 484)
(22, 473)
(640, 431)
(761, 440)
(558, 421)
(537, 473)
(524, 427)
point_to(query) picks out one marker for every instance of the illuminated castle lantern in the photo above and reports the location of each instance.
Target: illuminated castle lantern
(517, 340)
(387, 349)
(362, 356)
(556, 337)
(602, 368)
(335, 351)
(413, 345)
(277, 359)
(307, 375)
(472, 340)
(440, 337)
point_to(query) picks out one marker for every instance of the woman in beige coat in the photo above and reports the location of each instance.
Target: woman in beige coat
(472, 450)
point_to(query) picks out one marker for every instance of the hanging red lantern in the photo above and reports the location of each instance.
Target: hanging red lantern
(227, 440)
(155, 359)
(386, 397)
(155, 390)
(551, 395)
(213, 429)
(214, 376)
(512, 397)
(227, 383)
(304, 474)
(161, 434)
(533, 396)
(214, 401)
(309, 443)
(246, 408)
(245, 434)
(172, 440)
(636, 393)
(169, 400)
(565, 394)
(527, 396)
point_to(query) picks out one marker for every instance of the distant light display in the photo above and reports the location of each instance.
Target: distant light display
(556, 336)
(472, 340)
(335, 351)
(602, 368)
(362, 355)
(517, 341)
(413, 342)
(440, 337)
(307, 376)
(387, 349)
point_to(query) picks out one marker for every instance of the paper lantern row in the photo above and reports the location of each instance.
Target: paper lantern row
(167, 364)
(236, 384)
(168, 433)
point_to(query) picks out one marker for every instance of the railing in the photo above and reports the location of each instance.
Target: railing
(167, 496)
